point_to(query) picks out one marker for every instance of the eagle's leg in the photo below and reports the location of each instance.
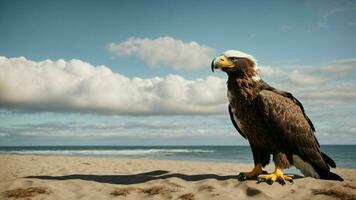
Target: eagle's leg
(261, 158)
(277, 175)
(257, 170)
(281, 162)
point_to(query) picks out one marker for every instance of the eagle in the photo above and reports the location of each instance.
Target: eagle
(273, 121)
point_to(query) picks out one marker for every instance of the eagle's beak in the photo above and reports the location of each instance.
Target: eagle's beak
(212, 65)
(221, 62)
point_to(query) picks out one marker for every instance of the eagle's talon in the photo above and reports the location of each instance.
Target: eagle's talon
(257, 170)
(260, 180)
(277, 175)
(282, 182)
(241, 177)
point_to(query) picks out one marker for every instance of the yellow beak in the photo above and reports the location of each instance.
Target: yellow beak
(221, 62)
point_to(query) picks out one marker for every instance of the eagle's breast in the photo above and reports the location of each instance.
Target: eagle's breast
(246, 116)
(237, 118)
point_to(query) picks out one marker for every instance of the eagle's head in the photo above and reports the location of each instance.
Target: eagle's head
(237, 63)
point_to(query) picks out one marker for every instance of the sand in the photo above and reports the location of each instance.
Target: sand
(60, 177)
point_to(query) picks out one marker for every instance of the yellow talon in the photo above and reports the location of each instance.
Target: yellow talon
(257, 170)
(277, 175)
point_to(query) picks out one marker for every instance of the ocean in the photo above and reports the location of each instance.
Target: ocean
(343, 155)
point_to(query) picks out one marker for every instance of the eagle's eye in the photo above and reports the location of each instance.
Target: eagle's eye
(233, 59)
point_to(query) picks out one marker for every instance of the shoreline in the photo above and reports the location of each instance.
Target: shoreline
(128, 157)
(270, 165)
(78, 177)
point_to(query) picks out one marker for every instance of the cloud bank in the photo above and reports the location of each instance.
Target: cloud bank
(160, 126)
(164, 51)
(328, 85)
(77, 86)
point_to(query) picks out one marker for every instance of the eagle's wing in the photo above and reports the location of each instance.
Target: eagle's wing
(291, 126)
(234, 122)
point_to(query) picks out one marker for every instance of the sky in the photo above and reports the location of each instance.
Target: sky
(138, 72)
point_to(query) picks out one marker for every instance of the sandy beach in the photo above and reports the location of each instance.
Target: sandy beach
(60, 177)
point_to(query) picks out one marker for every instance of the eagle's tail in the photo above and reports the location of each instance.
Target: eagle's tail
(328, 160)
(328, 175)
(313, 170)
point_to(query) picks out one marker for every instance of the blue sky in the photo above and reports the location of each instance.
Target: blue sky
(154, 85)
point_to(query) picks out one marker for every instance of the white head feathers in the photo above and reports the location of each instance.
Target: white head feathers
(240, 54)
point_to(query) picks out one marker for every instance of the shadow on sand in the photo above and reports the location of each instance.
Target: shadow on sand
(140, 178)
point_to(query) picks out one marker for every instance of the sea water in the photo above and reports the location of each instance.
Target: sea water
(343, 155)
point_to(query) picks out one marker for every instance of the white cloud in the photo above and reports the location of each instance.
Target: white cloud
(165, 51)
(318, 87)
(292, 76)
(304, 79)
(77, 86)
(271, 71)
(126, 126)
(341, 66)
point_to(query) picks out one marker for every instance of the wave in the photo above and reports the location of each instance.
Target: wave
(131, 152)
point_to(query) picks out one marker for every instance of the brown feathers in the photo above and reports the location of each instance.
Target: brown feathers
(274, 122)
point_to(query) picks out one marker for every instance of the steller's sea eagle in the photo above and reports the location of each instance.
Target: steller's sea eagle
(273, 121)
